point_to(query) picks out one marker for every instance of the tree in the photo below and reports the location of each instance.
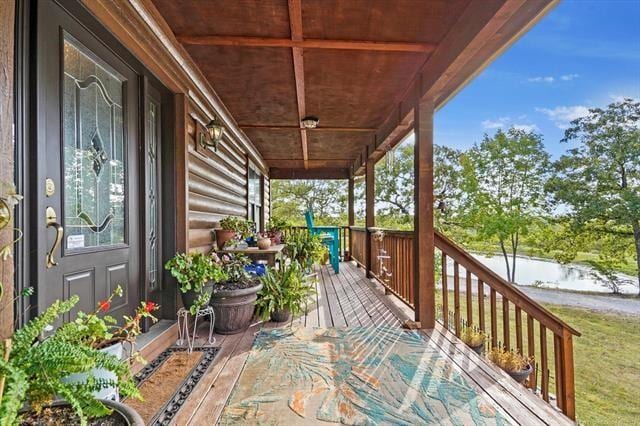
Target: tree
(599, 181)
(503, 181)
(290, 199)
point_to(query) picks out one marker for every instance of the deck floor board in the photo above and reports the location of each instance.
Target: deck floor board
(350, 299)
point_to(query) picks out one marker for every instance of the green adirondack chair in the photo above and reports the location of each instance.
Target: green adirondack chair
(330, 238)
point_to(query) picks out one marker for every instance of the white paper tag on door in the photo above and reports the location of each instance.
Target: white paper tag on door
(75, 241)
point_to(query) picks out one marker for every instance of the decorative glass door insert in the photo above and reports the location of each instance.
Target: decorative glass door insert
(93, 150)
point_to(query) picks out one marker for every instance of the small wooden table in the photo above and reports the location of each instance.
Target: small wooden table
(254, 253)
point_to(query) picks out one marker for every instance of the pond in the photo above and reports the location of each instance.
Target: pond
(552, 274)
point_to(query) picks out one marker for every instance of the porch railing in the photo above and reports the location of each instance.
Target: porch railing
(471, 295)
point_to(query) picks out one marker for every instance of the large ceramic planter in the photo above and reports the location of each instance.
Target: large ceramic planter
(191, 297)
(222, 236)
(122, 414)
(521, 376)
(234, 308)
(280, 316)
(111, 392)
(276, 237)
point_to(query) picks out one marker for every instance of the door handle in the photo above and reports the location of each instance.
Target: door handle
(52, 222)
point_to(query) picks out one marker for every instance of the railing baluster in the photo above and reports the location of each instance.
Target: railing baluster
(531, 343)
(506, 335)
(544, 368)
(557, 356)
(481, 304)
(519, 330)
(456, 296)
(494, 320)
(445, 293)
(469, 300)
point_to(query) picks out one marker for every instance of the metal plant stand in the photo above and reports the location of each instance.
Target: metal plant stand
(183, 326)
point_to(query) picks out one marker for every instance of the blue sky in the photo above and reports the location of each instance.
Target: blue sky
(583, 54)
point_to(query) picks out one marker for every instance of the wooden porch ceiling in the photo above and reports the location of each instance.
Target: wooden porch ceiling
(358, 65)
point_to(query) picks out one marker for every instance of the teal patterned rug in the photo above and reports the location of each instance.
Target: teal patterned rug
(354, 376)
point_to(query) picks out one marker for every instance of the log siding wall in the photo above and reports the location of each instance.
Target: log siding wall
(216, 182)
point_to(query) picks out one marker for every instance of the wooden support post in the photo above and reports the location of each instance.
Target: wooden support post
(370, 219)
(424, 273)
(351, 215)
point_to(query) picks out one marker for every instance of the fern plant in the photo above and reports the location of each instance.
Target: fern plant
(283, 289)
(33, 370)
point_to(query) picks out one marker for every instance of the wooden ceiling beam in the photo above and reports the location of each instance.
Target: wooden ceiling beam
(379, 46)
(317, 129)
(314, 173)
(295, 21)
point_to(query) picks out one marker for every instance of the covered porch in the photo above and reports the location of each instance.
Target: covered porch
(351, 301)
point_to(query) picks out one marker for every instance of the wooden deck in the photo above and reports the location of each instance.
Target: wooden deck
(349, 299)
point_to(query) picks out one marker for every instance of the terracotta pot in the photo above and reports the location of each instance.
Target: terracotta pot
(234, 309)
(264, 243)
(521, 376)
(280, 316)
(276, 237)
(222, 236)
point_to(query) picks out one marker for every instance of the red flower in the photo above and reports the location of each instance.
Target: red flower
(104, 305)
(150, 306)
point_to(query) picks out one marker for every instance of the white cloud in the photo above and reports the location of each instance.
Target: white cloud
(569, 77)
(508, 122)
(546, 79)
(496, 124)
(563, 115)
(526, 127)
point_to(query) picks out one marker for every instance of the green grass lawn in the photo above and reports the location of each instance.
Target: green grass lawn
(606, 359)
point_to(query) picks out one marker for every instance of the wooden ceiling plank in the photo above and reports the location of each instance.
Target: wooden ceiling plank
(318, 173)
(379, 46)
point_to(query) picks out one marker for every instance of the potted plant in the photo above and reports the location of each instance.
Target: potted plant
(232, 227)
(264, 241)
(474, 338)
(234, 298)
(284, 292)
(196, 274)
(105, 335)
(275, 229)
(306, 249)
(518, 366)
(33, 372)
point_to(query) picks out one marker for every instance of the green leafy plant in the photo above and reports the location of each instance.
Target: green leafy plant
(193, 271)
(305, 248)
(99, 332)
(233, 266)
(283, 289)
(509, 361)
(237, 224)
(277, 224)
(33, 370)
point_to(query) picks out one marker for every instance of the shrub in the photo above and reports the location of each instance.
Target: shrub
(509, 361)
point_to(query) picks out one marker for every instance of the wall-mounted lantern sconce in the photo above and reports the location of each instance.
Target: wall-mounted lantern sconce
(213, 135)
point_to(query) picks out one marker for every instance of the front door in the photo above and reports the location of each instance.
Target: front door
(87, 204)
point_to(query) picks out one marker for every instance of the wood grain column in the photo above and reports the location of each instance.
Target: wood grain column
(424, 274)
(7, 15)
(370, 218)
(181, 177)
(351, 216)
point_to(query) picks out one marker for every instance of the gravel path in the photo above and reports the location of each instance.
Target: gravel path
(603, 303)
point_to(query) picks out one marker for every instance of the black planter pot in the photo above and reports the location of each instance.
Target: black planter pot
(478, 349)
(280, 316)
(234, 308)
(521, 376)
(190, 297)
(126, 414)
